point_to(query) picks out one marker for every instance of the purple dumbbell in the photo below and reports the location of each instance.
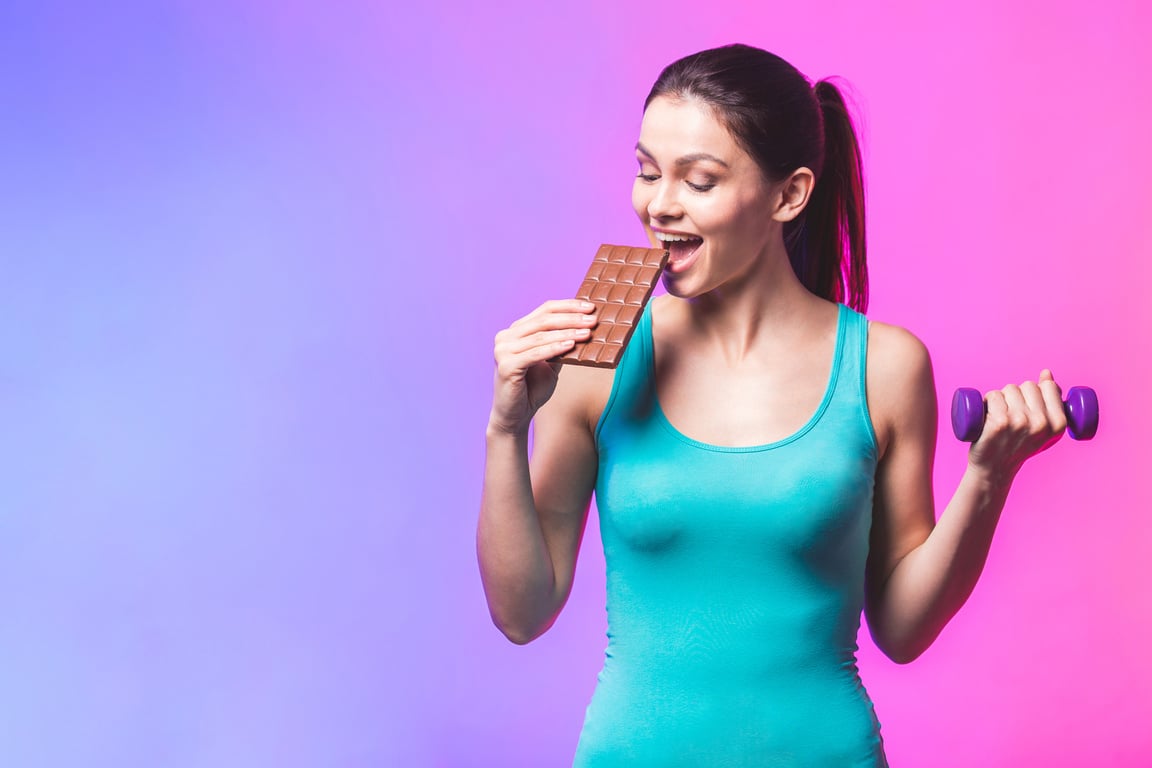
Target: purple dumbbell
(1082, 409)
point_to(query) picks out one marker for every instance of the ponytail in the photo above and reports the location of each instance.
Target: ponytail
(826, 244)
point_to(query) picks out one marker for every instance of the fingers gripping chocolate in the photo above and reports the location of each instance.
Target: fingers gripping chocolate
(619, 282)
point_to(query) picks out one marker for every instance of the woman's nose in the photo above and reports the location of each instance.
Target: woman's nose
(664, 203)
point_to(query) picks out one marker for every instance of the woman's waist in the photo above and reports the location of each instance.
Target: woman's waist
(754, 697)
(819, 630)
(737, 665)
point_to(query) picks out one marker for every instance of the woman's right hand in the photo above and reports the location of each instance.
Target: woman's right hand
(524, 377)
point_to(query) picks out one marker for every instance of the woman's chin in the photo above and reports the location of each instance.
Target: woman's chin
(676, 286)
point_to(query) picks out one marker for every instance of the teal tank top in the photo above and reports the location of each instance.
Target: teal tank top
(735, 582)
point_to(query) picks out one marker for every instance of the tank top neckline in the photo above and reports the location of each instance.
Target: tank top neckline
(649, 347)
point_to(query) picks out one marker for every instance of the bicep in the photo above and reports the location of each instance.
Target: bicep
(563, 468)
(902, 399)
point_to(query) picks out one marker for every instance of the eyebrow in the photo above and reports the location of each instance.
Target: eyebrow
(687, 159)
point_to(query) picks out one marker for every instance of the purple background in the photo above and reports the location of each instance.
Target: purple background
(240, 448)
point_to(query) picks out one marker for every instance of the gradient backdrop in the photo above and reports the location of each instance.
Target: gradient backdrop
(252, 257)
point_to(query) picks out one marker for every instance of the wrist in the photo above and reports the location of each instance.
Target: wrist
(991, 478)
(498, 430)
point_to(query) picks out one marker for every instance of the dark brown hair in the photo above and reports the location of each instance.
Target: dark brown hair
(785, 123)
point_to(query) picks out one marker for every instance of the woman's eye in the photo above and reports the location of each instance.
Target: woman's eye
(648, 177)
(700, 187)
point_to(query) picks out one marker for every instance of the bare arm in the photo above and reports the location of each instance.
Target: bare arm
(921, 572)
(532, 516)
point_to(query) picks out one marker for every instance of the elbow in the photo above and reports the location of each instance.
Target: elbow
(900, 647)
(520, 617)
(518, 635)
(520, 632)
(902, 653)
(903, 649)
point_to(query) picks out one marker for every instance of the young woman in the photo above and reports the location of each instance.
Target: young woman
(762, 457)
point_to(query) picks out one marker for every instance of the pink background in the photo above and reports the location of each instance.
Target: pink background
(241, 453)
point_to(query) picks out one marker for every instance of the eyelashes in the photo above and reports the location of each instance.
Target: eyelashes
(650, 178)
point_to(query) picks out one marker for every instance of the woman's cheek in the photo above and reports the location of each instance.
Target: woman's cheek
(640, 201)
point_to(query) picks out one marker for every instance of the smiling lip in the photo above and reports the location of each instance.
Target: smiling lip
(682, 248)
(682, 255)
(688, 235)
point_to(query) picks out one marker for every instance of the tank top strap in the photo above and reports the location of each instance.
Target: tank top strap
(851, 384)
(633, 374)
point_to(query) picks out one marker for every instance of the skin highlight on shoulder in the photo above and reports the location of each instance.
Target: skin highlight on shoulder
(899, 379)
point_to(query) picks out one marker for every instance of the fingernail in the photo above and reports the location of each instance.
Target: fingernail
(586, 305)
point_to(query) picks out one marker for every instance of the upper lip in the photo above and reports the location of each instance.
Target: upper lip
(673, 232)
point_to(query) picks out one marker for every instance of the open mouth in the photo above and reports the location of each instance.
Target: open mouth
(681, 249)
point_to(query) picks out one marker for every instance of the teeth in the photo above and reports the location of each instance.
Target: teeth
(670, 238)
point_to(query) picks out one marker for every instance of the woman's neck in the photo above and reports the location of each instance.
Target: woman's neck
(767, 303)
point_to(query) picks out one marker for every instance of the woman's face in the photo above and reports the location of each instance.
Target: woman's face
(702, 195)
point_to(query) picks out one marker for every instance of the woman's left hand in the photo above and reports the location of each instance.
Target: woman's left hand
(1021, 421)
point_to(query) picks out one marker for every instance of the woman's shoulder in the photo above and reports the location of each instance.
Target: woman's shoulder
(893, 349)
(899, 376)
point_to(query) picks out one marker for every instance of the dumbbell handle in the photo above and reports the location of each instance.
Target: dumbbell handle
(1082, 409)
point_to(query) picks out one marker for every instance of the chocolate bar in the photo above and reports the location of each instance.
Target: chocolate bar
(619, 282)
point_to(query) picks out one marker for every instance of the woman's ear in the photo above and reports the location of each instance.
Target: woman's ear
(793, 194)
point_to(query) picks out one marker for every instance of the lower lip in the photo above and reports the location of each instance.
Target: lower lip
(676, 266)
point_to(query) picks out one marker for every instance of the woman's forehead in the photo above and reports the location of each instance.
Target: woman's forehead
(675, 128)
